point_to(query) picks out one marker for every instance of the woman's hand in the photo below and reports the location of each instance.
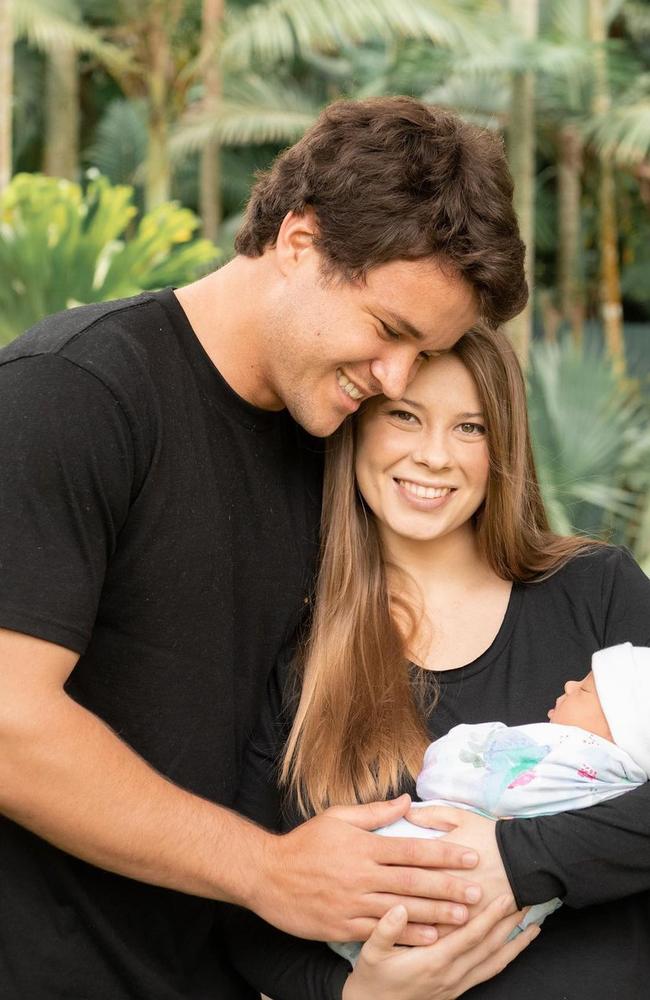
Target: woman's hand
(473, 831)
(441, 971)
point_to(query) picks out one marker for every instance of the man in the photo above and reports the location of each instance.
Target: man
(158, 516)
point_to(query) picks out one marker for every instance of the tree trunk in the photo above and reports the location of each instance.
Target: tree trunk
(61, 154)
(569, 230)
(521, 150)
(210, 177)
(610, 286)
(159, 172)
(6, 91)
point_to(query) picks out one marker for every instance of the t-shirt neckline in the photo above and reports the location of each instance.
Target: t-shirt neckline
(455, 675)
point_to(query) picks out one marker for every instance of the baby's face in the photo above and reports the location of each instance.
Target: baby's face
(580, 706)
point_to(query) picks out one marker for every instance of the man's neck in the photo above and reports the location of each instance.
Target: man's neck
(224, 309)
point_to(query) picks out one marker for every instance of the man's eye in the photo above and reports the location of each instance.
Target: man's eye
(391, 334)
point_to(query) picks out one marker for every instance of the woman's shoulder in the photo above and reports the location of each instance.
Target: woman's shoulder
(596, 562)
(602, 585)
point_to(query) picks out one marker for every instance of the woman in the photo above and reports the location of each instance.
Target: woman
(444, 598)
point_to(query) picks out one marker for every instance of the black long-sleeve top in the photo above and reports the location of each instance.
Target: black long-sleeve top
(597, 946)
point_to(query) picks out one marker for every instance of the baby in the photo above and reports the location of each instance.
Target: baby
(596, 746)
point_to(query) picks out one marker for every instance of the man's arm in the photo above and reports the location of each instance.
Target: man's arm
(67, 777)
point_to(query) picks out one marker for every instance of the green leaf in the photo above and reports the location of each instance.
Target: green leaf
(60, 246)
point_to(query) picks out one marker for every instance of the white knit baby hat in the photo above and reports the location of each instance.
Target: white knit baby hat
(622, 676)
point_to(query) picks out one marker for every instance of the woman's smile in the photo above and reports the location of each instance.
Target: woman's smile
(422, 496)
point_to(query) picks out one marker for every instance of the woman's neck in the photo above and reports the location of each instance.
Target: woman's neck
(451, 561)
(458, 600)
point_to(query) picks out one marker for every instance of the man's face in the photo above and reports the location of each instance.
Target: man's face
(332, 344)
(580, 706)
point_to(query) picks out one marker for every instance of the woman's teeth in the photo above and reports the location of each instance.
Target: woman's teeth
(424, 492)
(347, 386)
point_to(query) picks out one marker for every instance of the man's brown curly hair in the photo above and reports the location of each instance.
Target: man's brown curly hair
(394, 179)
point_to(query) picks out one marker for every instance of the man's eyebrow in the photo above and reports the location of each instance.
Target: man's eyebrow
(402, 325)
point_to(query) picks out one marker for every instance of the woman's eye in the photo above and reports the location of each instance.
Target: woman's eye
(473, 429)
(402, 415)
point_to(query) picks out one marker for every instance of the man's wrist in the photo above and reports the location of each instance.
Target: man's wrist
(257, 866)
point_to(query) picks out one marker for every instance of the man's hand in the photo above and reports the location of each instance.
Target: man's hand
(442, 971)
(473, 832)
(332, 879)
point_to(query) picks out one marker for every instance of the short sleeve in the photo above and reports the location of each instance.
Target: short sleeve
(66, 456)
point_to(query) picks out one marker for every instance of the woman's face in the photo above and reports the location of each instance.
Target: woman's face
(422, 461)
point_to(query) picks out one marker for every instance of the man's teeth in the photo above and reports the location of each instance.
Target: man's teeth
(348, 386)
(425, 492)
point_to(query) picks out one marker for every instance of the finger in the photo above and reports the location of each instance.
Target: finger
(498, 961)
(423, 853)
(482, 935)
(385, 935)
(418, 935)
(436, 817)
(422, 911)
(372, 815)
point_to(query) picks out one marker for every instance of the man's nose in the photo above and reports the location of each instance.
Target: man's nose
(393, 373)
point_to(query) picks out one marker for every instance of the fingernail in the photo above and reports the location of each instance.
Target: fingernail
(429, 934)
(473, 894)
(459, 914)
(397, 914)
(470, 859)
(534, 930)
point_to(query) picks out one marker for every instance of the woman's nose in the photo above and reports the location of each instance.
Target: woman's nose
(433, 450)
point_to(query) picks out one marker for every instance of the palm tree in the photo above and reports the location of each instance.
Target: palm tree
(52, 26)
(210, 182)
(6, 90)
(610, 285)
(257, 107)
(521, 148)
(62, 113)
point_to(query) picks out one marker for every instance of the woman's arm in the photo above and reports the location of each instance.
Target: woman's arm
(586, 856)
(602, 853)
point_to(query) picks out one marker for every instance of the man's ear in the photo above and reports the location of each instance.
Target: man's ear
(295, 238)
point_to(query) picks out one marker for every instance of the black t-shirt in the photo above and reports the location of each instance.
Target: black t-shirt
(157, 524)
(597, 946)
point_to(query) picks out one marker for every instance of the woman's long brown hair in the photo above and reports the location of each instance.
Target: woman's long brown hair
(360, 727)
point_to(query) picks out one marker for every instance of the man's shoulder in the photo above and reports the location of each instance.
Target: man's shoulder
(58, 332)
(113, 341)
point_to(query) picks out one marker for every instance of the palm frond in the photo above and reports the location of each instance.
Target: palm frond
(253, 111)
(120, 144)
(51, 24)
(281, 29)
(583, 425)
(623, 133)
